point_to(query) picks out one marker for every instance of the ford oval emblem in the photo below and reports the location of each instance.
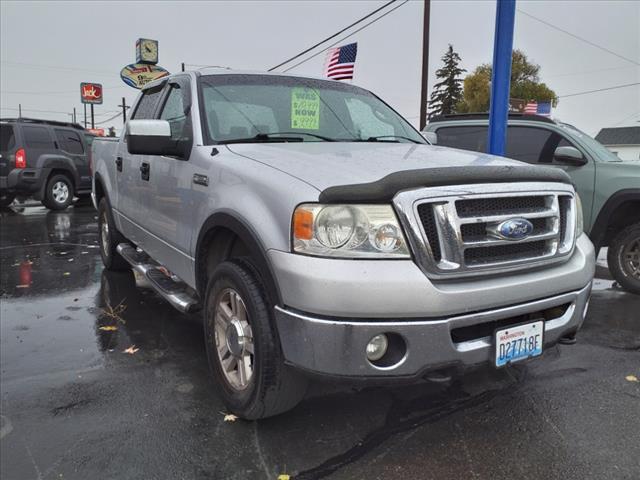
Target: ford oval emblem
(515, 229)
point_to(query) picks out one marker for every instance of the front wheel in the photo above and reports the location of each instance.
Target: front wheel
(59, 192)
(243, 348)
(624, 258)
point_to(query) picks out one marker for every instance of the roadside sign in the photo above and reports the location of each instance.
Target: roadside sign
(91, 93)
(137, 75)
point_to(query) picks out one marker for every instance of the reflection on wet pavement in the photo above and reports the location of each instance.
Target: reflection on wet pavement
(75, 405)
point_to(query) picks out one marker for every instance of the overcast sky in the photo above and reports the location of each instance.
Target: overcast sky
(48, 48)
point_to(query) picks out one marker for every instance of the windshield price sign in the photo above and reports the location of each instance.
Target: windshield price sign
(305, 109)
(91, 93)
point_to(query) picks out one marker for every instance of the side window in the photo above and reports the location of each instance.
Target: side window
(532, 145)
(69, 141)
(147, 104)
(173, 112)
(469, 137)
(366, 121)
(37, 137)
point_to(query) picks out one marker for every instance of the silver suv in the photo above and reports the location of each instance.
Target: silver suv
(320, 234)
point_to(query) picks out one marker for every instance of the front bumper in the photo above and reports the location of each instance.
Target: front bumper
(337, 347)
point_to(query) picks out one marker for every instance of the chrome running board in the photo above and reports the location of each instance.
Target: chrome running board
(176, 292)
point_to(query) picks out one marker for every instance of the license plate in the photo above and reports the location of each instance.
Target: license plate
(518, 342)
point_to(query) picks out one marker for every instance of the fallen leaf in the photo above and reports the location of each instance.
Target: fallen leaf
(131, 350)
(70, 260)
(283, 476)
(22, 286)
(631, 378)
(66, 274)
(229, 417)
(108, 328)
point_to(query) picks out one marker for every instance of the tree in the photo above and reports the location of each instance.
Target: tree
(447, 93)
(525, 84)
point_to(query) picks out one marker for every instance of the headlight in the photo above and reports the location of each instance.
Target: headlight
(579, 219)
(364, 231)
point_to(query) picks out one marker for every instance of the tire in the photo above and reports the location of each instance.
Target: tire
(110, 237)
(271, 387)
(623, 258)
(6, 199)
(59, 192)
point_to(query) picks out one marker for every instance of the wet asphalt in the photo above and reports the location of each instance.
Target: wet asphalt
(75, 406)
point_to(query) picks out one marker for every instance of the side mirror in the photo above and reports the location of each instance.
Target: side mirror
(569, 156)
(431, 137)
(152, 137)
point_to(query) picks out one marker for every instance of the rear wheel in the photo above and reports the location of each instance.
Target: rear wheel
(110, 237)
(624, 258)
(59, 192)
(6, 199)
(243, 348)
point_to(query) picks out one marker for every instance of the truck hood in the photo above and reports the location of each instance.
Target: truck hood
(325, 164)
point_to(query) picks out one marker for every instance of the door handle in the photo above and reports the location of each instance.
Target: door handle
(144, 168)
(119, 163)
(200, 179)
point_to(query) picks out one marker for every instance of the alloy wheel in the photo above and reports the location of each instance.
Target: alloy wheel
(234, 339)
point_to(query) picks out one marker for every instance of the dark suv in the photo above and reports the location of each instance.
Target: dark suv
(45, 159)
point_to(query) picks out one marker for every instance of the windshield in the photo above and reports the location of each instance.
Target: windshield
(274, 108)
(601, 151)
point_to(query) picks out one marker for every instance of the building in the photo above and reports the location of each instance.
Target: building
(623, 141)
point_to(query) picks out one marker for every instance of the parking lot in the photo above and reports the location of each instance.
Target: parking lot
(75, 405)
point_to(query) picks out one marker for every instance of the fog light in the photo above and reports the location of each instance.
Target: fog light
(377, 347)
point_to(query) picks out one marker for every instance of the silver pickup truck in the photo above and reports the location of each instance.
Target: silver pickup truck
(321, 235)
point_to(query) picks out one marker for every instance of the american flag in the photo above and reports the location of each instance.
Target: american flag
(531, 108)
(535, 108)
(341, 61)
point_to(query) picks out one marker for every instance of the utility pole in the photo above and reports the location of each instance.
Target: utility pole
(74, 114)
(19, 110)
(183, 66)
(93, 125)
(124, 110)
(85, 115)
(501, 76)
(425, 64)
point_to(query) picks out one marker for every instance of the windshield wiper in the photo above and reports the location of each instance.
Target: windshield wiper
(379, 138)
(275, 138)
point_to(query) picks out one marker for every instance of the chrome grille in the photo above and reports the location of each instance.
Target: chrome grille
(454, 230)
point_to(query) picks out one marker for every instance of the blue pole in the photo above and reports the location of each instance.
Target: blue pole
(501, 76)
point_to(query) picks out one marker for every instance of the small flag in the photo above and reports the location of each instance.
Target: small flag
(531, 108)
(341, 61)
(544, 109)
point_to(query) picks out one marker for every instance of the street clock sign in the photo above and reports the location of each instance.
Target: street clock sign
(147, 51)
(91, 93)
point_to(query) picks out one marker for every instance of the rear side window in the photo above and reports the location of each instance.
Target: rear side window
(469, 137)
(7, 138)
(533, 145)
(69, 141)
(147, 104)
(37, 137)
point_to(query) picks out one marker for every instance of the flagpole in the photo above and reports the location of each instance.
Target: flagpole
(425, 64)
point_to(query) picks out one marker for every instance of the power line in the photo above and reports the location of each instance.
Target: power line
(344, 38)
(50, 111)
(333, 36)
(65, 93)
(599, 90)
(579, 38)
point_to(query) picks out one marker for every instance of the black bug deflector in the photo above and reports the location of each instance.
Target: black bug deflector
(384, 190)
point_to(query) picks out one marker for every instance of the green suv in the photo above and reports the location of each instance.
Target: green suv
(608, 187)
